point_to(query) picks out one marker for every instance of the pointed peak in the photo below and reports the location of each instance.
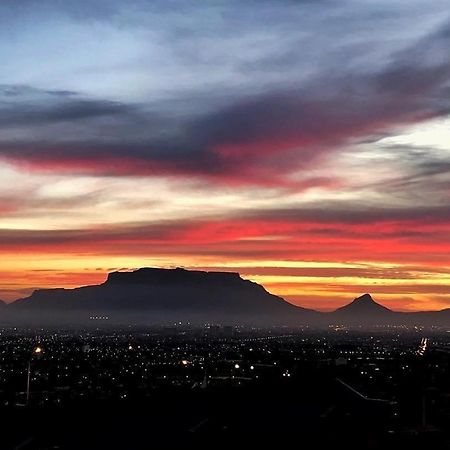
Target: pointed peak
(364, 304)
(365, 298)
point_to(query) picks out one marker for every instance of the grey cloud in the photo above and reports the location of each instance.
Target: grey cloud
(24, 106)
(354, 213)
(299, 121)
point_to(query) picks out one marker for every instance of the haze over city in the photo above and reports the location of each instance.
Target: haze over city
(304, 145)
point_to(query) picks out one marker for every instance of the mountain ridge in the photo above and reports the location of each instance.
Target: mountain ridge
(163, 295)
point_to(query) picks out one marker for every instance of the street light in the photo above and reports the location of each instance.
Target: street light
(36, 352)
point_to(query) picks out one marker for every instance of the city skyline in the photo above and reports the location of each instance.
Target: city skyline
(305, 145)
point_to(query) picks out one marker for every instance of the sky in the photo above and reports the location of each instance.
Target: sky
(304, 144)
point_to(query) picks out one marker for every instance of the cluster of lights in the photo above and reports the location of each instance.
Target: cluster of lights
(147, 361)
(422, 347)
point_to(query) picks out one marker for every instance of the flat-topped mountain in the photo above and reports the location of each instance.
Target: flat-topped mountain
(161, 296)
(178, 276)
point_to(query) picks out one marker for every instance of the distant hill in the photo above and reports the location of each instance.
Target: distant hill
(161, 296)
(362, 309)
(365, 310)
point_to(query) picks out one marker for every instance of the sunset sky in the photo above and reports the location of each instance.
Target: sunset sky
(305, 144)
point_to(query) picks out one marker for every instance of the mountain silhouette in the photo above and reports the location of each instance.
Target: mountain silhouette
(364, 310)
(363, 306)
(153, 296)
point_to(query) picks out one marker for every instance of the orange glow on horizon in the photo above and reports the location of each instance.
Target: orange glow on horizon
(321, 286)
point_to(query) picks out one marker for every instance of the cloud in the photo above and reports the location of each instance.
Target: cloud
(313, 235)
(22, 106)
(257, 136)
